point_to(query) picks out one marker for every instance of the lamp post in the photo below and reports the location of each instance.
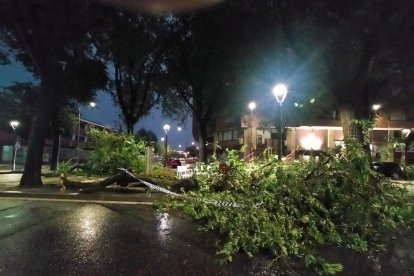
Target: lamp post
(280, 91)
(14, 125)
(252, 105)
(166, 128)
(405, 133)
(92, 105)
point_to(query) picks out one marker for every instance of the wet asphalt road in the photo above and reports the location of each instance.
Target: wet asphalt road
(60, 238)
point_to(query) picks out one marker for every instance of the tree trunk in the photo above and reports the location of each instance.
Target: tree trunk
(350, 129)
(347, 115)
(130, 127)
(47, 100)
(55, 151)
(203, 143)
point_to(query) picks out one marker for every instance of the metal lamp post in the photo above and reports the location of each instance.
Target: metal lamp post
(405, 133)
(252, 106)
(77, 143)
(280, 91)
(166, 128)
(14, 125)
(92, 105)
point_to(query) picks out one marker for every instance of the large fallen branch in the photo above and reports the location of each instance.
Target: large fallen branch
(121, 178)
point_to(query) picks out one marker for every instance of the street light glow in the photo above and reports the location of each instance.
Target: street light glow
(252, 105)
(14, 124)
(280, 91)
(406, 132)
(179, 128)
(375, 107)
(166, 128)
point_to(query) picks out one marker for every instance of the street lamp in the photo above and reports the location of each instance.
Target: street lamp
(14, 125)
(405, 133)
(280, 91)
(92, 105)
(166, 128)
(375, 107)
(252, 105)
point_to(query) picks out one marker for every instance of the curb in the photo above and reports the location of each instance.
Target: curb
(99, 197)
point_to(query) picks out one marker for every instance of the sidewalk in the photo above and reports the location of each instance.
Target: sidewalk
(51, 190)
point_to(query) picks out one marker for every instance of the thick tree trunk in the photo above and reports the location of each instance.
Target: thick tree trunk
(202, 155)
(55, 151)
(350, 129)
(347, 115)
(130, 127)
(47, 100)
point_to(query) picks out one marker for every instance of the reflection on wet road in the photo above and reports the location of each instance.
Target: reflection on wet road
(55, 238)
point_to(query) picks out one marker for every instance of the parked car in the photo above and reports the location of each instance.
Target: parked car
(390, 169)
(173, 162)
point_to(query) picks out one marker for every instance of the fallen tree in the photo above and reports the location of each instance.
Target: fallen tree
(124, 178)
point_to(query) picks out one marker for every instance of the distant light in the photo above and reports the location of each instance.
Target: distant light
(162, 139)
(192, 143)
(296, 104)
(312, 100)
(179, 128)
(179, 146)
(92, 104)
(311, 142)
(280, 91)
(375, 107)
(166, 128)
(14, 124)
(252, 105)
(406, 132)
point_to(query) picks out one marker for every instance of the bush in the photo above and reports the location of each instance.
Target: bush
(294, 209)
(113, 151)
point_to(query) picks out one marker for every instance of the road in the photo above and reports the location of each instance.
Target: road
(64, 238)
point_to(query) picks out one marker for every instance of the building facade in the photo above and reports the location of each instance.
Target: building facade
(301, 141)
(68, 144)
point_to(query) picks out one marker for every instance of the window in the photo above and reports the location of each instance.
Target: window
(225, 135)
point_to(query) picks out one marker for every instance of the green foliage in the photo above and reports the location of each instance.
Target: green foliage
(113, 151)
(65, 167)
(409, 171)
(294, 209)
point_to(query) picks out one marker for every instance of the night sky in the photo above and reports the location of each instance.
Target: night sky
(106, 113)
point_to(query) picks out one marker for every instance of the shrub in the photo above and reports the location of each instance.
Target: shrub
(113, 151)
(294, 209)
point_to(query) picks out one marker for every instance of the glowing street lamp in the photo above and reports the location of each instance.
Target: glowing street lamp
(92, 105)
(166, 128)
(375, 107)
(14, 125)
(280, 92)
(405, 132)
(252, 105)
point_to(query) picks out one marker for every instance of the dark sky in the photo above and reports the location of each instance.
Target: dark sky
(106, 113)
